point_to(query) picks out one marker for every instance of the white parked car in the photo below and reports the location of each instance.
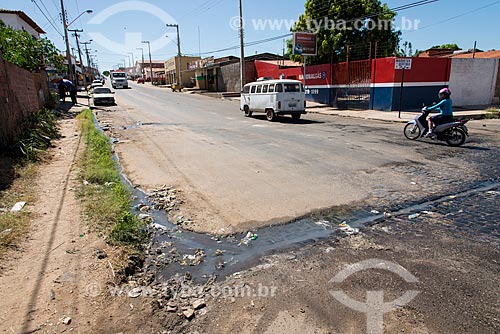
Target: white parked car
(274, 97)
(96, 83)
(103, 95)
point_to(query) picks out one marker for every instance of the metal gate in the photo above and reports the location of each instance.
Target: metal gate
(352, 84)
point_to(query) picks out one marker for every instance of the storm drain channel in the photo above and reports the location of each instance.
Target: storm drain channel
(175, 251)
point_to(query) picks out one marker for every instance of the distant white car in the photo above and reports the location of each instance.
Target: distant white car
(103, 95)
(96, 83)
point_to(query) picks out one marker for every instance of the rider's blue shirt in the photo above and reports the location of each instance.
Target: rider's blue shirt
(444, 107)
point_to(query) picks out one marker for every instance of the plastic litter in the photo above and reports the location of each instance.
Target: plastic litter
(413, 216)
(347, 229)
(323, 223)
(249, 237)
(375, 212)
(18, 206)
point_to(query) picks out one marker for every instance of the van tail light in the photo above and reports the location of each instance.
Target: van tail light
(279, 104)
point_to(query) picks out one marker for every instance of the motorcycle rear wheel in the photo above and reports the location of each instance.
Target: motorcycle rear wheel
(456, 137)
(412, 131)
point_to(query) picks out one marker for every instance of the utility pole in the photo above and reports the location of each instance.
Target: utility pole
(142, 64)
(242, 48)
(76, 31)
(132, 64)
(179, 60)
(150, 61)
(88, 57)
(68, 53)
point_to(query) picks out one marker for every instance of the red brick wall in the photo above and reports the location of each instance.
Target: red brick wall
(21, 93)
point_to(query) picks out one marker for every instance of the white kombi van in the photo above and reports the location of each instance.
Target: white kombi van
(274, 97)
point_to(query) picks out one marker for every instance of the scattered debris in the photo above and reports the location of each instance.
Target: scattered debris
(375, 212)
(413, 216)
(85, 182)
(144, 216)
(5, 233)
(324, 223)
(101, 254)
(134, 293)
(198, 304)
(18, 207)
(249, 237)
(188, 313)
(52, 295)
(219, 252)
(66, 320)
(347, 229)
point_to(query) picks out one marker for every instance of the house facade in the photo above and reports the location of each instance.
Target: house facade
(18, 20)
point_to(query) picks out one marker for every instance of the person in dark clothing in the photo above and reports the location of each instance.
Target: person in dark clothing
(61, 90)
(70, 87)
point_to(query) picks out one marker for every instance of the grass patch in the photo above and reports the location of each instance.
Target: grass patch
(14, 226)
(493, 113)
(42, 128)
(106, 199)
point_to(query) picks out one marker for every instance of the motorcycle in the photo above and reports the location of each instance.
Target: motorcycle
(454, 133)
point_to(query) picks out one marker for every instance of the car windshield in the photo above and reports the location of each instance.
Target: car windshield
(118, 75)
(102, 91)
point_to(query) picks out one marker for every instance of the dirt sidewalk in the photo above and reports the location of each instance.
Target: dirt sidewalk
(53, 284)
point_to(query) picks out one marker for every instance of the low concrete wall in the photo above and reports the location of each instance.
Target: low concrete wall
(21, 93)
(473, 81)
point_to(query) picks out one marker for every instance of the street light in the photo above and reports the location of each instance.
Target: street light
(150, 61)
(179, 75)
(88, 11)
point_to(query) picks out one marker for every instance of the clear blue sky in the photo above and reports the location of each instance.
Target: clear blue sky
(121, 32)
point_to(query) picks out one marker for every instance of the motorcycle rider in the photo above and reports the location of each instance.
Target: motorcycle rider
(445, 108)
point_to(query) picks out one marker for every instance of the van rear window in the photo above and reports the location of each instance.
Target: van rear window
(293, 88)
(246, 89)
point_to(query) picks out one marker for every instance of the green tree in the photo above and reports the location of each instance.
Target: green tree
(20, 48)
(454, 47)
(348, 24)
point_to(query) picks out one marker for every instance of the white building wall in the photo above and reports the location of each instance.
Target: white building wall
(473, 81)
(16, 23)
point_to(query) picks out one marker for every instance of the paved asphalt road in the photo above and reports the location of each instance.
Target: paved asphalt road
(236, 173)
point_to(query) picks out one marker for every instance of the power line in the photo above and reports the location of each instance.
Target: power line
(461, 15)
(50, 21)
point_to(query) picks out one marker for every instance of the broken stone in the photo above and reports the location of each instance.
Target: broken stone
(5, 233)
(144, 216)
(134, 293)
(189, 313)
(101, 254)
(145, 208)
(172, 308)
(198, 304)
